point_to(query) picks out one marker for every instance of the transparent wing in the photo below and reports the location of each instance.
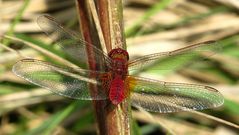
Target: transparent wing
(173, 59)
(165, 97)
(72, 83)
(70, 43)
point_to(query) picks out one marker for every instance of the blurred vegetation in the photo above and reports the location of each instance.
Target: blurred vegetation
(150, 26)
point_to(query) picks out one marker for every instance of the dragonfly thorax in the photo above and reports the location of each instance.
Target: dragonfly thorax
(119, 67)
(120, 59)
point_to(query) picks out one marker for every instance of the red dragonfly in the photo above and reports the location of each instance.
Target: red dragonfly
(114, 82)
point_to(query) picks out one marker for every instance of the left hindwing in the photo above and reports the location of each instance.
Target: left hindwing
(164, 97)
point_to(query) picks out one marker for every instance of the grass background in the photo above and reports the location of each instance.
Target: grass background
(150, 26)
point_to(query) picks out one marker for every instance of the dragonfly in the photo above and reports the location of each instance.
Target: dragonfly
(114, 82)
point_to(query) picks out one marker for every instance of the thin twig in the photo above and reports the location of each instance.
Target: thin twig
(97, 24)
(216, 119)
(151, 117)
(44, 51)
(12, 50)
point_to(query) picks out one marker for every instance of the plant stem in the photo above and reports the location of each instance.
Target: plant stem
(112, 120)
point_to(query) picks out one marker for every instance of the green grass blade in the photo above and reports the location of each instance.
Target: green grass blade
(49, 125)
(155, 9)
(16, 21)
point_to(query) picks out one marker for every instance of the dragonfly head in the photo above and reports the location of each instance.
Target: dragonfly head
(119, 53)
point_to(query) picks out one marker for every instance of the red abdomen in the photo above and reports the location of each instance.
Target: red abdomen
(117, 90)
